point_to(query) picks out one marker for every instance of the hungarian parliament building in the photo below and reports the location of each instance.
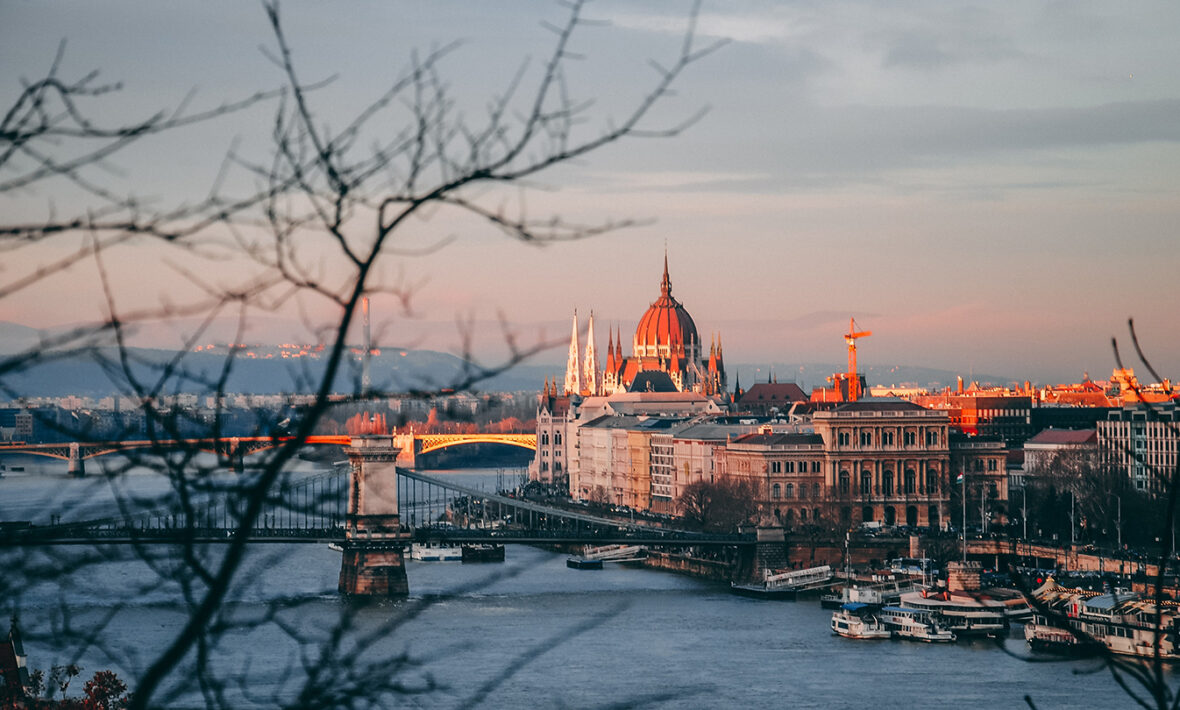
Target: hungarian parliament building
(637, 430)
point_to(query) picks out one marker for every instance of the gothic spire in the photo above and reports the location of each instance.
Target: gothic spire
(573, 367)
(591, 374)
(666, 284)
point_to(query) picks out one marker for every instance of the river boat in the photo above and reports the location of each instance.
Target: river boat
(916, 624)
(785, 585)
(430, 552)
(964, 613)
(483, 553)
(1122, 622)
(335, 546)
(583, 563)
(856, 620)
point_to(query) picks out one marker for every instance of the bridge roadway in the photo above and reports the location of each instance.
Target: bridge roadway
(550, 526)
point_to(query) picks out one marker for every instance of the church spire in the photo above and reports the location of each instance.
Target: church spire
(573, 368)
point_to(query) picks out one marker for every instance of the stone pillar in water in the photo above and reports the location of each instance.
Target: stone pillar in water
(373, 563)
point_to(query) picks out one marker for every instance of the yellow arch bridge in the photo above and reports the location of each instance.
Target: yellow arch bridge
(236, 447)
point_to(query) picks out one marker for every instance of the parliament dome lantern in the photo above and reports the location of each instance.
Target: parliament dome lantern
(666, 330)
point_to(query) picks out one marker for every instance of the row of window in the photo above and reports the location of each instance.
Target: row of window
(908, 483)
(908, 438)
(545, 438)
(791, 466)
(777, 491)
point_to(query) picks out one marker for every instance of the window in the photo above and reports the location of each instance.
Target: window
(815, 466)
(842, 438)
(803, 491)
(544, 465)
(887, 483)
(815, 515)
(544, 438)
(776, 491)
(776, 467)
(866, 438)
(557, 467)
(991, 464)
(866, 483)
(978, 465)
(815, 492)
(803, 514)
(932, 438)
(887, 438)
(909, 438)
(910, 479)
(789, 466)
(557, 438)
(844, 483)
(790, 490)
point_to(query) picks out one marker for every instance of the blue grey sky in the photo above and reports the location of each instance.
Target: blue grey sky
(987, 186)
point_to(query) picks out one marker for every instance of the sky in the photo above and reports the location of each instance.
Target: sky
(987, 187)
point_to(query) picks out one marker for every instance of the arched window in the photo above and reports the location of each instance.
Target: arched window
(932, 481)
(932, 516)
(815, 515)
(776, 491)
(978, 464)
(803, 515)
(866, 483)
(887, 483)
(803, 491)
(815, 491)
(844, 483)
(890, 516)
(845, 515)
(866, 514)
(790, 490)
(910, 481)
(911, 516)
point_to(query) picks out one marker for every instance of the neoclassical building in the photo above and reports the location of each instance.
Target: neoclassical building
(666, 354)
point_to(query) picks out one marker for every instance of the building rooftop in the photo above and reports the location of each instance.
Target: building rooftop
(1065, 436)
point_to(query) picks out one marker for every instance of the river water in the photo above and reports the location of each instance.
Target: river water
(526, 633)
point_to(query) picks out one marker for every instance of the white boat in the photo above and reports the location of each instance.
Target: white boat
(435, 553)
(916, 624)
(963, 613)
(855, 620)
(785, 585)
(1123, 622)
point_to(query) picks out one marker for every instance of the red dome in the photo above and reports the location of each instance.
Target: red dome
(666, 329)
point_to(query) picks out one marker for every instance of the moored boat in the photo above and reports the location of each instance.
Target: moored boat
(583, 563)
(483, 553)
(856, 620)
(916, 624)
(785, 585)
(430, 552)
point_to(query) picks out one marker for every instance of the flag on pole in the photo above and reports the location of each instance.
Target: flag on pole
(959, 478)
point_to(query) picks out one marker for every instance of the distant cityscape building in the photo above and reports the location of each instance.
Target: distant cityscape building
(1142, 442)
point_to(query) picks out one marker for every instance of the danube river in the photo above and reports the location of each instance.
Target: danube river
(526, 633)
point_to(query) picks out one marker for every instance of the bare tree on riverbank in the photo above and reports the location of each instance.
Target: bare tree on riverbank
(323, 218)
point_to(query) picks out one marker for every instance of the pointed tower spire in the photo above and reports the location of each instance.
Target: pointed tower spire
(610, 350)
(666, 284)
(591, 373)
(573, 368)
(619, 348)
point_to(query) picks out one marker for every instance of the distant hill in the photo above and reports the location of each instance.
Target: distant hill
(99, 373)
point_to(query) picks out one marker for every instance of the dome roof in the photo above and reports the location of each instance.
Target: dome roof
(666, 329)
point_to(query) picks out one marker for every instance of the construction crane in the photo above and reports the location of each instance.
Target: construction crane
(850, 337)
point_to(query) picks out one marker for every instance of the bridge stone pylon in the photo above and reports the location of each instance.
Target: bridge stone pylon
(76, 464)
(373, 561)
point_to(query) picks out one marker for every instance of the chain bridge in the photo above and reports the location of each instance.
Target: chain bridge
(371, 508)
